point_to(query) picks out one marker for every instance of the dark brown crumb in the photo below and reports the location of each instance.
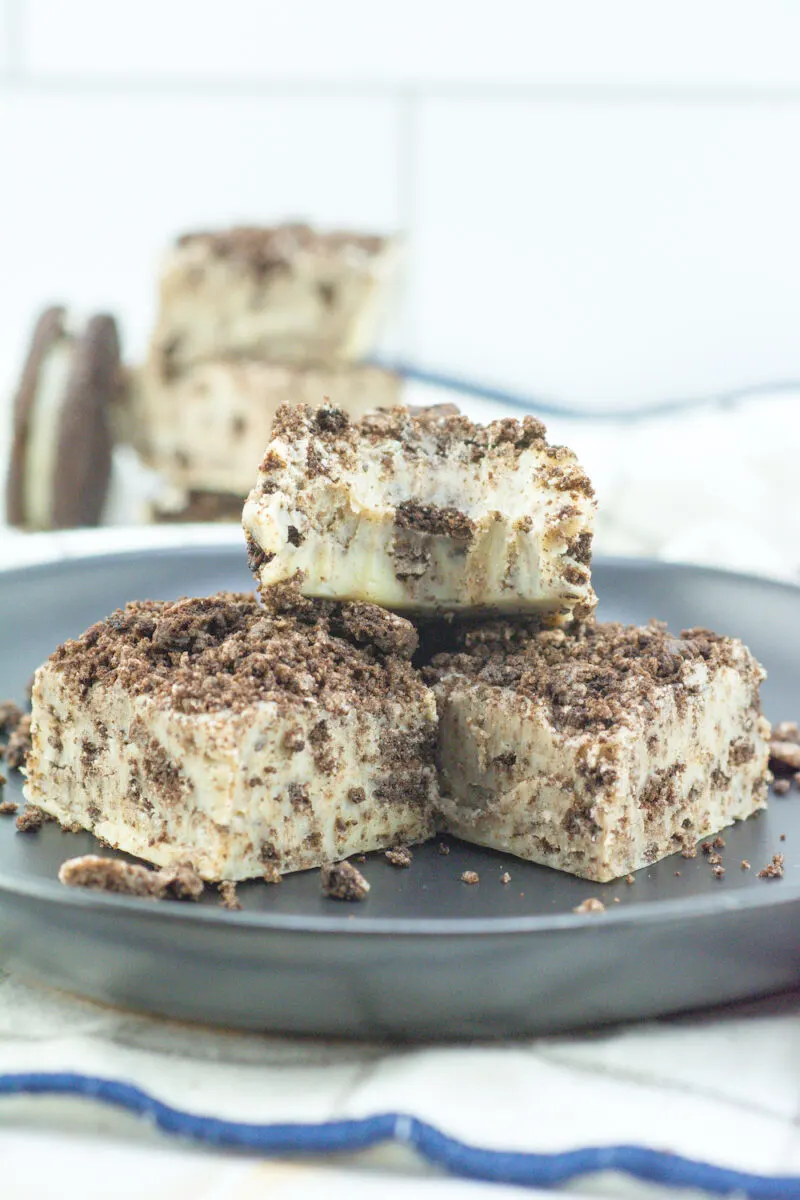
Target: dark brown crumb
(19, 744)
(10, 716)
(131, 879)
(781, 786)
(590, 905)
(361, 858)
(718, 871)
(401, 856)
(444, 848)
(719, 842)
(430, 518)
(745, 865)
(505, 877)
(111, 875)
(707, 848)
(182, 882)
(677, 874)
(31, 819)
(8, 808)
(271, 873)
(470, 877)
(343, 881)
(784, 748)
(629, 879)
(773, 870)
(782, 838)
(228, 897)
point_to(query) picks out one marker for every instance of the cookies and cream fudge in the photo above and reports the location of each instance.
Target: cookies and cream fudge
(422, 511)
(205, 428)
(288, 292)
(599, 751)
(210, 732)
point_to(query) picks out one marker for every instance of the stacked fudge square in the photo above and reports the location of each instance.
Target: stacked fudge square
(250, 318)
(423, 654)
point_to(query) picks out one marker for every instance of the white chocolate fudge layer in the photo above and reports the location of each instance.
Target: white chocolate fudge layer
(601, 752)
(209, 732)
(289, 292)
(205, 429)
(422, 512)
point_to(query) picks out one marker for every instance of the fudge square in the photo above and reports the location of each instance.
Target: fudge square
(600, 750)
(286, 292)
(209, 731)
(422, 511)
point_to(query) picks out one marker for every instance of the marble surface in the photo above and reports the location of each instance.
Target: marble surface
(724, 1088)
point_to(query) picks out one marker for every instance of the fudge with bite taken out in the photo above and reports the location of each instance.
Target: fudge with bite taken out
(423, 512)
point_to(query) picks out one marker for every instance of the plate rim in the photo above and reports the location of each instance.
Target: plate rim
(684, 908)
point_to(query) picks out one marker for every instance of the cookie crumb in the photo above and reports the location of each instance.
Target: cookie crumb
(629, 879)
(689, 852)
(773, 870)
(707, 847)
(10, 716)
(781, 786)
(19, 744)
(718, 872)
(8, 808)
(443, 849)
(505, 877)
(361, 858)
(271, 873)
(677, 874)
(31, 819)
(3, 779)
(745, 865)
(401, 856)
(719, 842)
(100, 874)
(590, 905)
(228, 897)
(470, 877)
(182, 882)
(782, 838)
(342, 881)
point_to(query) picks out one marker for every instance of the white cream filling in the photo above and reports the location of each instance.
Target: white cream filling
(43, 432)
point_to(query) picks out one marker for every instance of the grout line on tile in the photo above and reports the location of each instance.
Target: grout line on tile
(163, 86)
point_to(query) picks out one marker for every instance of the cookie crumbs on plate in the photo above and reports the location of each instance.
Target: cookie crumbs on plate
(745, 865)
(10, 716)
(182, 882)
(8, 808)
(228, 897)
(361, 858)
(505, 877)
(3, 779)
(470, 877)
(590, 905)
(719, 842)
(718, 872)
(629, 879)
(443, 849)
(343, 881)
(707, 848)
(784, 747)
(781, 786)
(31, 819)
(19, 744)
(782, 838)
(773, 870)
(100, 874)
(714, 859)
(677, 874)
(272, 874)
(401, 856)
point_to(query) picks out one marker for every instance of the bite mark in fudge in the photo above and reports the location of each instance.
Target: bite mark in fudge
(600, 751)
(244, 741)
(423, 512)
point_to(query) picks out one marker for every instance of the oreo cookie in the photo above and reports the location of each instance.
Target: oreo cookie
(60, 462)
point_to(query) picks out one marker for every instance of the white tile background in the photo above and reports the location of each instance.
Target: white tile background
(602, 197)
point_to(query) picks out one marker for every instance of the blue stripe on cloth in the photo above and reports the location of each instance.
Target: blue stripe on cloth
(547, 407)
(471, 1162)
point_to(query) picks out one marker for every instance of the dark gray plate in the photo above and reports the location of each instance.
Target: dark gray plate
(425, 955)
